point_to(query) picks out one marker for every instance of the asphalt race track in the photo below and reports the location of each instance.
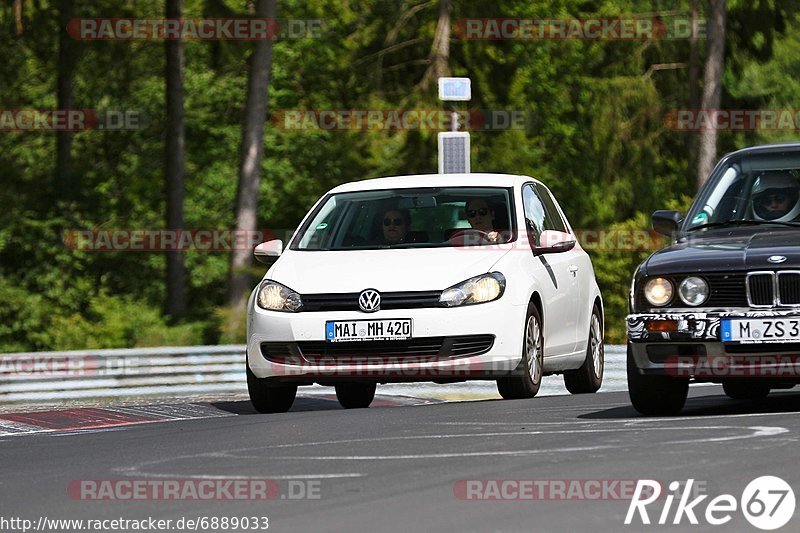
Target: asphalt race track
(403, 465)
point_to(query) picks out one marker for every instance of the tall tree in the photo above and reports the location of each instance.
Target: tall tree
(252, 152)
(174, 166)
(18, 17)
(440, 49)
(712, 86)
(65, 81)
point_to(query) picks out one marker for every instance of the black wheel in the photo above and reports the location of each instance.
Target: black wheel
(589, 377)
(655, 395)
(267, 397)
(743, 389)
(528, 376)
(355, 395)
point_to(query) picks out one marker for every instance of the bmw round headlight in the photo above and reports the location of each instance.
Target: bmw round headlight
(276, 297)
(477, 290)
(693, 290)
(658, 291)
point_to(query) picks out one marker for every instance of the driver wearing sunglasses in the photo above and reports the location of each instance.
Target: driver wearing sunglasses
(481, 217)
(395, 226)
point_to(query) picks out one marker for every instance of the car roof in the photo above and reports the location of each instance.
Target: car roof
(434, 180)
(766, 149)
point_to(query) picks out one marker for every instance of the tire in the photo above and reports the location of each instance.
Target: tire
(655, 395)
(589, 377)
(269, 398)
(743, 389)
(355, 395)
(527, 377)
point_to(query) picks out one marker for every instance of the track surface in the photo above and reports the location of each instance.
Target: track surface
(394, 468)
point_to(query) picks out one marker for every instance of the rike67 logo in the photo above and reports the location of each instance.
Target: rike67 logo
(767, 502)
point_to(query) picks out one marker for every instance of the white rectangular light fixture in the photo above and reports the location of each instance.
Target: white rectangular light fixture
(454, 153)
(455, 89)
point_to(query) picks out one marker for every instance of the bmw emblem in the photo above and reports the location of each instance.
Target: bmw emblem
(776, 259)
(369, 300)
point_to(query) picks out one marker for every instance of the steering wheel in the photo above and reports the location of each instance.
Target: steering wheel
(464, 233)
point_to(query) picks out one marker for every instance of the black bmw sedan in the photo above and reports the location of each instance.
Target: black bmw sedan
(722, 303)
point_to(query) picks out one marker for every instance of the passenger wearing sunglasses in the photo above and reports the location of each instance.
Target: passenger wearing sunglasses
(395, 226)
(481, 217)
(776, 196)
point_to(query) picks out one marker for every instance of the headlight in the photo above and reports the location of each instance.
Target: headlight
(477, 290)
(658, 291)
(693, 290)
(276, 297)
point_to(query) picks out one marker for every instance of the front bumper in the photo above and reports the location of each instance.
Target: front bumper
(499, 319)
(695, 349)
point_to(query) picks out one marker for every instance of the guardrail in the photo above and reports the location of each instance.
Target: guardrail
(179, 372)
(138, 372)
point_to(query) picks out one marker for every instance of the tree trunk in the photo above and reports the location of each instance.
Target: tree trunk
(252, 152)
(18, 17)
(174, 167)
(693, 61)
(712, 87)
(440, 50)
(694, 74)
(65, 80)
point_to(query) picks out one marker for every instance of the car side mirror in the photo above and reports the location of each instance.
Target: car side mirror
(666, 222)
(267, 252)
(553, 242)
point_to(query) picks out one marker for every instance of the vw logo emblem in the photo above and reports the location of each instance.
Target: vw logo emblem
(777, 259)
(369, 300)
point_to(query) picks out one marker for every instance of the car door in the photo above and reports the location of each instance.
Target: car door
(556, 282)
(578, 265)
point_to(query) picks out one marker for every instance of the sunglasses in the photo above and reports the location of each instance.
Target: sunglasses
(472, 213)
(393, 222)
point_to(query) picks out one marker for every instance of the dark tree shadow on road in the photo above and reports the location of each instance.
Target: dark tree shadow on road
(701, 403)
(300, 404)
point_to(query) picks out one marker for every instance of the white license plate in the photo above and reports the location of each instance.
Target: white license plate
(760, 330)
(368, 330)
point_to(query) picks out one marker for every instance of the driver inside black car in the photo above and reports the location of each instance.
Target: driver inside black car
(776, 197)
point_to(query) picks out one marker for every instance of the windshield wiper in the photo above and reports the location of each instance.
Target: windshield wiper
(748, 222)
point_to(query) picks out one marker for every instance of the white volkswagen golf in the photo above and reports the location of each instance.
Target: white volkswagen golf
(443, 278)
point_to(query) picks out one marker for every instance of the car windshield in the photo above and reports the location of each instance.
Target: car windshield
(409, 218)
(753, 189)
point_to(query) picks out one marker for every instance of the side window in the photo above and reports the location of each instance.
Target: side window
(553, 220)
(534, 214)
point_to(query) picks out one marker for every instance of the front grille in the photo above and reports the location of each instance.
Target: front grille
(727, 289)
(389, 300)
(761, 288)
(789, 287)
(422, 349)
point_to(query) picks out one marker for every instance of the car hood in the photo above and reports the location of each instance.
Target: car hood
(311, 272)
(728, 250)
